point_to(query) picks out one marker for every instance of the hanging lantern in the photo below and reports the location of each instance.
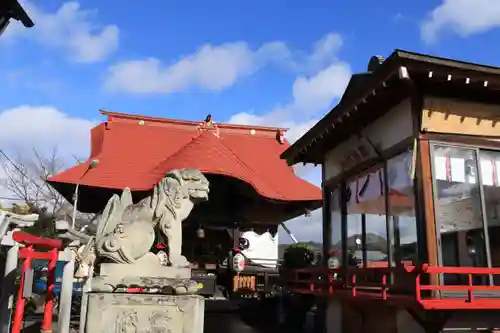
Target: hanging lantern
(358, 242)
(333, 262)
(200, 232)
(238, 263)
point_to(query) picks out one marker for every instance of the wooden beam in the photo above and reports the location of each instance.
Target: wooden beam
(428, 205)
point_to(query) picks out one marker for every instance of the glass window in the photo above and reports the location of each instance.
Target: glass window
(366, 221)
(457, 206)
(402, 220)
(335, 258)
(490, 177)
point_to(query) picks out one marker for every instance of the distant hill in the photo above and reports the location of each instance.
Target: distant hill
(375, 243)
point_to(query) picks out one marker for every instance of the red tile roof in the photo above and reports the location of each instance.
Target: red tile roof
(136, 151)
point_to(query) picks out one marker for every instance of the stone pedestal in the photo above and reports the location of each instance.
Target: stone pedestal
(153, 278)
(144, 313)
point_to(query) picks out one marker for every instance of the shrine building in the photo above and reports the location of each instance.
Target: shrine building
(252, 191)
(12, 9)
(248, 180)
(410, 162)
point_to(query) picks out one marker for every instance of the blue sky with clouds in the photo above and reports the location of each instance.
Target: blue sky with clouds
(262, 62)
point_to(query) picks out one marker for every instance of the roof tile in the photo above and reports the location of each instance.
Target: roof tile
(137, 154)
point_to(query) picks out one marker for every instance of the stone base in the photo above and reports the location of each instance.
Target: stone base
(144, 313)
(156, 279)
(144, 270)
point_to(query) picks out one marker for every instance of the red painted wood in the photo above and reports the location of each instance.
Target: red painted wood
(20, 303)
(28, 254)
(37, 242)
(320, 282)
(24, 253)
(49, 298)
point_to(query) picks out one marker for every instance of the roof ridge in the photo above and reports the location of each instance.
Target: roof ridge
(243, 163)
(195, 137)
(230, 153)
(248, 167)
(120, 115)
(251, 159)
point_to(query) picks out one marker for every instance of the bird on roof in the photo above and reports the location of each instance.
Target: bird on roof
(208, 123)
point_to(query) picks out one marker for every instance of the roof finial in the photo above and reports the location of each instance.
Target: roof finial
(375, 63)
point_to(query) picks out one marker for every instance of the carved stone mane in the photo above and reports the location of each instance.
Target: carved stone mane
(126, 231)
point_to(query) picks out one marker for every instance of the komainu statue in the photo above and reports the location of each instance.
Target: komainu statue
(126, 231)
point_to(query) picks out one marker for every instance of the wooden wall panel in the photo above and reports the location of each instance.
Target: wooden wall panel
(453, 116)
(395, 126)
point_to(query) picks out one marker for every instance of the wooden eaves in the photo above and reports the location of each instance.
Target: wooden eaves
(388, 85)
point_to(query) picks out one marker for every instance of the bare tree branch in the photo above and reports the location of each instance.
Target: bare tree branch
(26, 180)
(79, 159)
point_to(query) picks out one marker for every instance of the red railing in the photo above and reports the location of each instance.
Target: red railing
(409, 284)
(465, 295)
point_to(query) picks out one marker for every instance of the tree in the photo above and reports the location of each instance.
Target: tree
(26, 182)
(298, 255)
(26, 179)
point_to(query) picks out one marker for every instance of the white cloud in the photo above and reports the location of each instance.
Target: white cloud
(304, 228)
(325, 51)
(463, 17)
(398, 17)
(210, 67)
(71, 29)
(316, 93)
(43, 128)
(312, 96)
(216, 67)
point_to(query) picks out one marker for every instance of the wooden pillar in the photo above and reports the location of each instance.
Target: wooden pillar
(327, 220)
(320, 317)
(66, 293)
(8, 285)
(334, 316)
(407, 324)
(87, 288)
(20, 302)
(381, 319)
(416, 104)
(428, 205)
(49, 298)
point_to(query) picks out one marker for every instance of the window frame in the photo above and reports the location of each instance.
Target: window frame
(341, 180)
(476, 149)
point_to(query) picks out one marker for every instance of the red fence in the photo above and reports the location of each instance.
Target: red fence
(405, 285)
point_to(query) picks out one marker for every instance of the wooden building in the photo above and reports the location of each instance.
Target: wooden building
(12, 9)
(252, 190)
(411, 188)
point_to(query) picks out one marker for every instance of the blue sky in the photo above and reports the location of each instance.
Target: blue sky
(263, 62)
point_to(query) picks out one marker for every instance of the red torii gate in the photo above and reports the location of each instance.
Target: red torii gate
(28, 254)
